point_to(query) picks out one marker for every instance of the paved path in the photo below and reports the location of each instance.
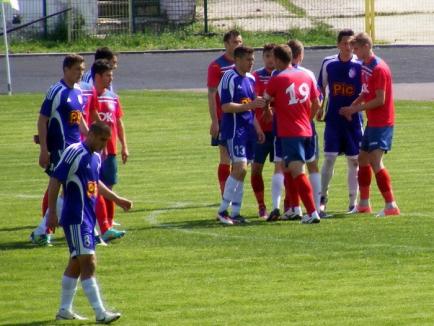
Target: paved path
(412, 67)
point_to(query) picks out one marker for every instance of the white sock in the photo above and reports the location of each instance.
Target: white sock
(297, 210)
(327, 171)
(91, 289)
(353, 185)
(42, 227)
(315, 181)
(276, 189)
(237, 199)
(69, 287)
(228, 194)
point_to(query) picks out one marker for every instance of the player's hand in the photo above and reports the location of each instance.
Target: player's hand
(347, 112)
(124, 203)
(268, 114)
(319, 115)
(261, 136)
(125, 155)
(44, 159)
(52, 220)
(259, 102)
(214, 129)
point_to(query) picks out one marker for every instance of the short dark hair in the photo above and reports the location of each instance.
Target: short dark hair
(100, 66)
(71, 60)
(283, 53)
(343, 33)
(268, 47)
(228, 35)
(241, 51)
(104, 53)
(296, 47)
(100, 128)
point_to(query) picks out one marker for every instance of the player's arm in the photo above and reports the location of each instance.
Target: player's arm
(212, 107)
(110, 195)
(84, 129)
(123, 140)
(314, 108)
(53, 192)
(44, 156)
(259, 132)
(232, 107)
(378, 100)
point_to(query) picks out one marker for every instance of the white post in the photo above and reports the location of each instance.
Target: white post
(5, 37)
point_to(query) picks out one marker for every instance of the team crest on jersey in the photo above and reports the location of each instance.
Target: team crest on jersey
(75, 117)
(245, 100)
(92, 189)
(352, 73)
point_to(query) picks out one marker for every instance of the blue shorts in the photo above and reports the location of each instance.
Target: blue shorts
(54, 159)
(277, 149)
(312, 148)
(377, 138)
(218, 141)
(241, 148)
(296, 148)
(342, 139)
(265, 149)
(109, 171)
(80, 239)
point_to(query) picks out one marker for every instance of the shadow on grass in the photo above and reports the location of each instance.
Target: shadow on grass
(19, 245)
(49, 322)
(173, 208)
(17, 228)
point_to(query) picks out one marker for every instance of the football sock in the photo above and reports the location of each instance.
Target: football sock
(223, 172)
(287, 200)
(258, 188)
(353, 186)
(385, 185)
(69, 287)
(327, 171)
(42, 227)
(237, 199)
(305, 190)
(291, 190)
(276, 189)
(228, 194)
(315, 181)
(44, 204)
(101, 214)
(110, 208)
(364, 176)
(91, 289)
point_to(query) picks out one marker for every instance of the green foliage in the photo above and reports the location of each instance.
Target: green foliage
(178, 266)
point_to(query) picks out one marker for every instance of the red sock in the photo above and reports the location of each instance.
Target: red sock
(384, 183)
(44, 204)
(291, 193)
(258, 188)
(365, 176)
(223, 172)
(305, 190)
(101, 214)
(110, 207)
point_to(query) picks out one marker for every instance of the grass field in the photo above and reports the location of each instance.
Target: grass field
(177, 266)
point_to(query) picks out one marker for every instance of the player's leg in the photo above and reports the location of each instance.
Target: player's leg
(41, 235)
(352, 137)
(312, 158)
(224, 168)
(277, 183)
(332, 144)
(257, 183)
(353, 185)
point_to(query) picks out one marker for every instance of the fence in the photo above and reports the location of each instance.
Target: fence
(396, 22)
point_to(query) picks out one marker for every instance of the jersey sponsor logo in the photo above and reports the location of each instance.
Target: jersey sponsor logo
(106, 116)
(343, 89)
(245, 100)
(74, 117)
(92, 189)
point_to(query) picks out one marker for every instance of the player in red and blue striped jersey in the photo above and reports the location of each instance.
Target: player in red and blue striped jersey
(340, 81)
(239, 129)
(376, 99)
(78, 173)
(216, 69)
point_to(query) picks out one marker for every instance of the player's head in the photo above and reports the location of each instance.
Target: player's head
(344, 42)
(244, 59)
(267, 56)
(362, 46)
(99, 134)
(232, 40)
(105, 53)
(282, 56)
(102, 73)
(73, 68)
(297, 50)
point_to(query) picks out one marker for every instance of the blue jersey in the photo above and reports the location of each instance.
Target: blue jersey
(240, 89)
(64, 107)
(343, 83)
(78, 171)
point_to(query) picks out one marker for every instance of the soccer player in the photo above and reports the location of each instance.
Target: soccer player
(106, 54)
(340, 81)
(60, 124)
(296, 101)
(111, 114)
(216, 69)
(376, 99)
(262, 76)
(78, 173)
(239, 129)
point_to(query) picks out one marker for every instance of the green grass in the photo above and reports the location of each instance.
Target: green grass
(177, 266)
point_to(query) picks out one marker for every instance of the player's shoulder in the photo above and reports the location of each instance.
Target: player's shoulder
(250, 76)
(87, 77)
(54, 90)
(229, 75)
(330, 58)
(74, 151)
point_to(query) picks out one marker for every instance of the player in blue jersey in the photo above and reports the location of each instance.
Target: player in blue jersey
(78, 173)
(101, 53)
(340, 81)
(60, 124)
(239, 129)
